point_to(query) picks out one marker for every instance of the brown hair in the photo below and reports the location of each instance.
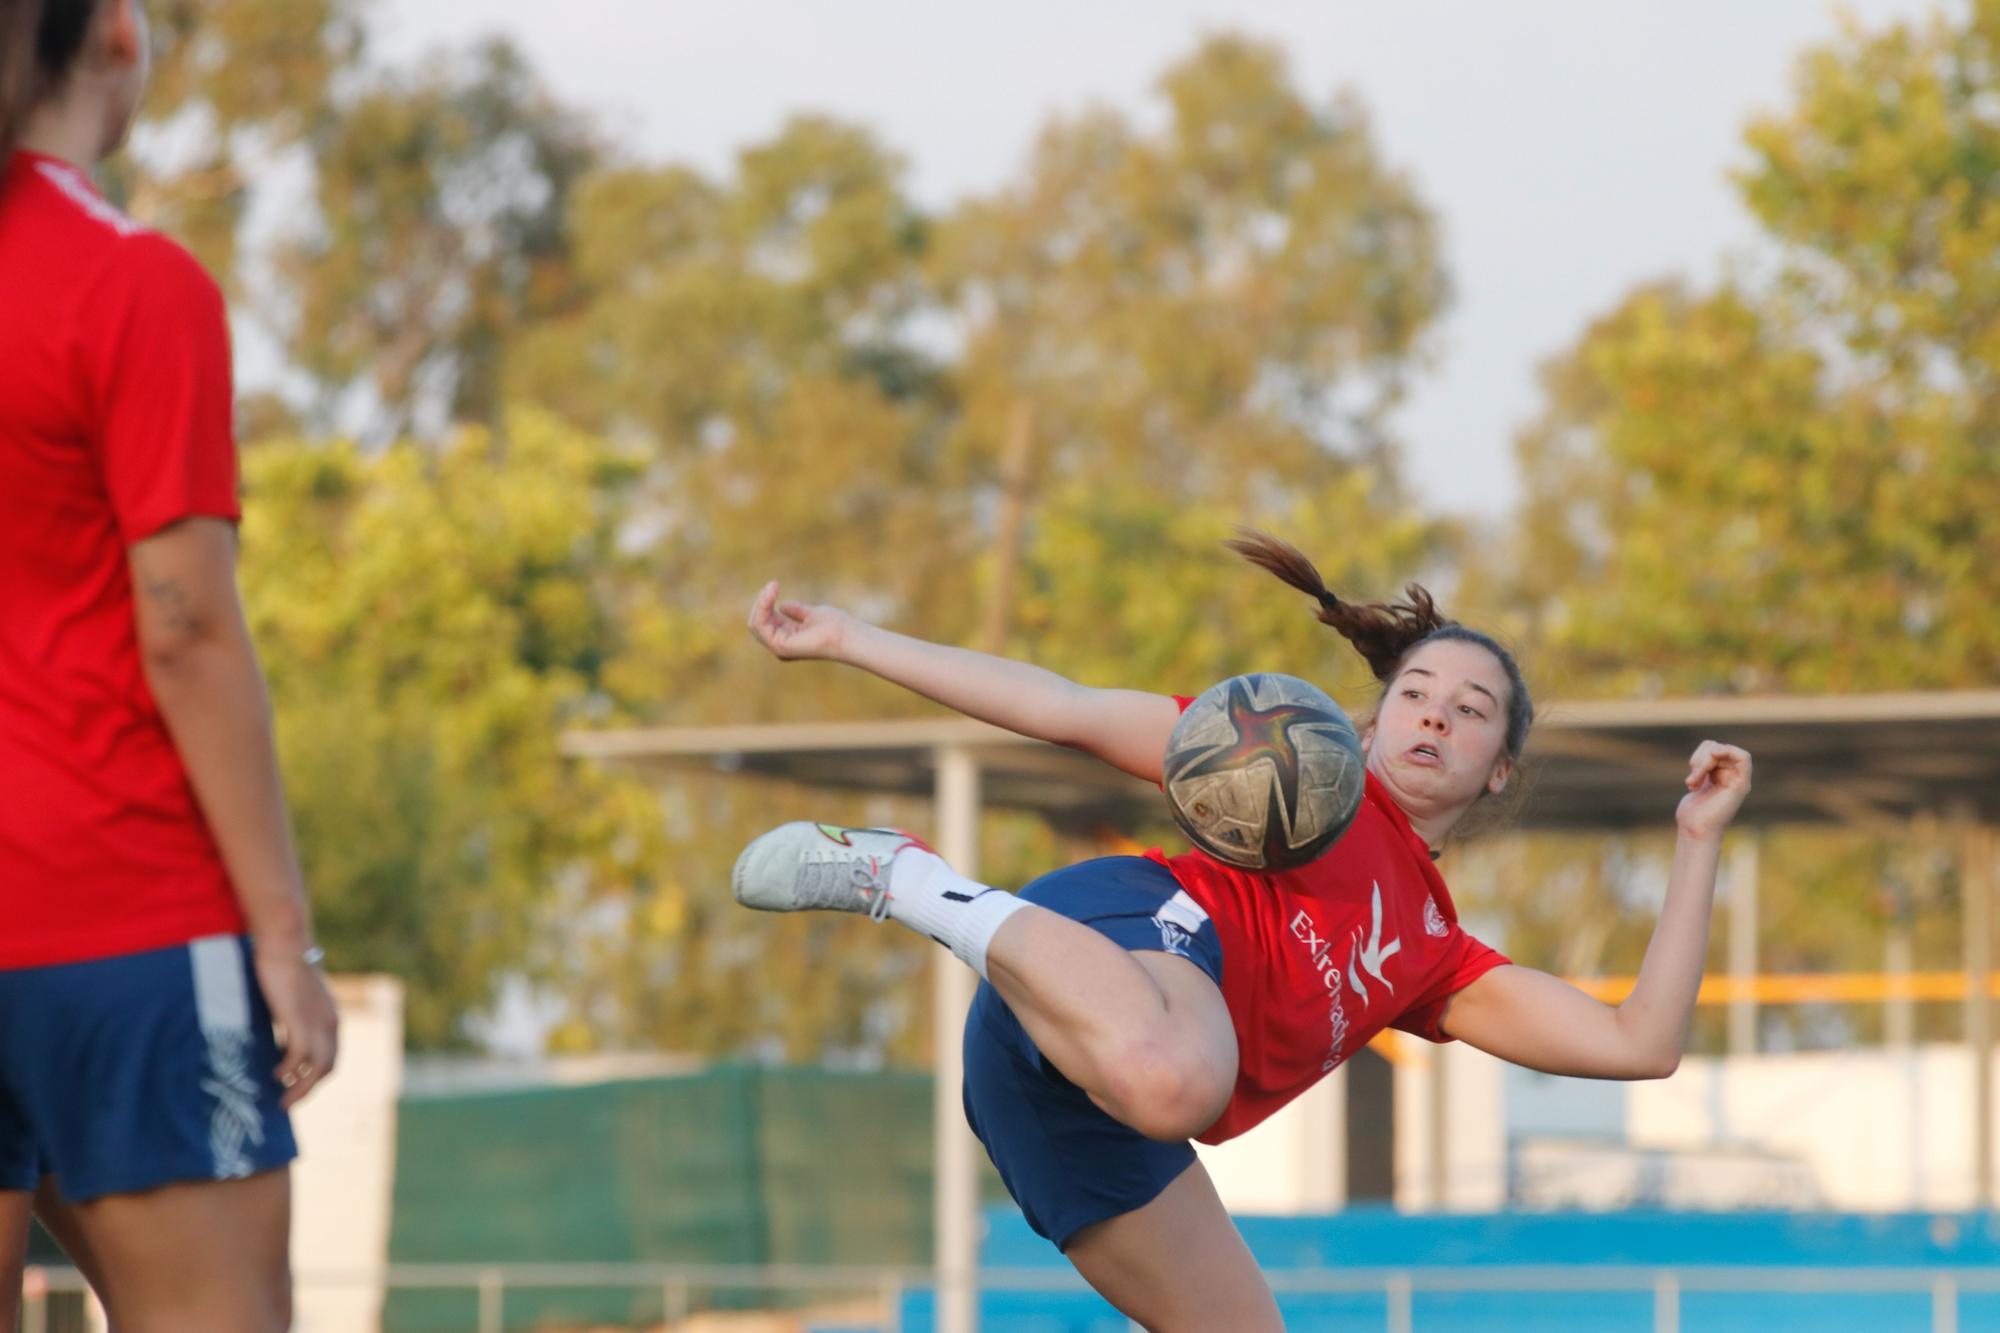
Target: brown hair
(1386, 633)
(39, 41)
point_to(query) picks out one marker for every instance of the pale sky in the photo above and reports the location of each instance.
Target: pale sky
(1572, 148)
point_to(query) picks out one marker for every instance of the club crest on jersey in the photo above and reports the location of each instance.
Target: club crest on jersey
(1434, 919)
(1369, 955)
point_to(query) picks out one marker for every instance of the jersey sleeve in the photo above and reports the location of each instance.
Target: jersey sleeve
(1466, 960)
(155, 344)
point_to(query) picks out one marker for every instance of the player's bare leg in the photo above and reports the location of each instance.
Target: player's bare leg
(209, 1255)
(1178, 1265)
(58, 1218)
(1145, 1034)
(14, 1207)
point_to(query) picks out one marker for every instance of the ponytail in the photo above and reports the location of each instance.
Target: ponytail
(1385, 633)
(39, 41)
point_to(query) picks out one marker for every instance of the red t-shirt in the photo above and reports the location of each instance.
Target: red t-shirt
(1316, 961)
(115, 421)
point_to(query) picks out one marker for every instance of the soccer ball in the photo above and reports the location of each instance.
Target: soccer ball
(1264, 771)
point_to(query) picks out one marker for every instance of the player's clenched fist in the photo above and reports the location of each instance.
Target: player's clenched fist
(1718, 779)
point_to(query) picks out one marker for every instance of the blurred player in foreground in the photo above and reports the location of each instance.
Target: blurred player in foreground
(153, 920)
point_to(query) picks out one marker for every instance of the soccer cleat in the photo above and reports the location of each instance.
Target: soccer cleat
(801, 866)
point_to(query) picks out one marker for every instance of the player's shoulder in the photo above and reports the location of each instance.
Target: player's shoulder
(122, 251)
(68, 199)
(151, 281)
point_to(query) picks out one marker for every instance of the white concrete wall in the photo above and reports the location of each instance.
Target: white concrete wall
(1881, 1129)
(343, 1183)
(1295, 1162)
(1475, 1127)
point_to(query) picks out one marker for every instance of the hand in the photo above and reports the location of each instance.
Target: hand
(302, 1008)
(1718, 779)
(793, 630)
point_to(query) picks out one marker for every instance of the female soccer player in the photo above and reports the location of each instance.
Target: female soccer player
(153, 920)
(1129, 1004)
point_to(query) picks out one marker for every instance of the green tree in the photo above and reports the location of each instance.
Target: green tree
(753, 332)
(1793, 487)
(441, 234)
(606, 399)
(1789, 485)
(237, 86)
(1143, 341)
(1219, 315)
(431, 621)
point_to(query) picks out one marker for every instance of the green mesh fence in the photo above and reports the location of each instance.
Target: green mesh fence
(735, 1165)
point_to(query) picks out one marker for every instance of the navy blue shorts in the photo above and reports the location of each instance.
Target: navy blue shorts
(123, 1074)
(1065, 1161)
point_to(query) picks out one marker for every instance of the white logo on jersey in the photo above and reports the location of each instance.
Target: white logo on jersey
(1369, 957)
(1172, 938)
(1434, 919)
(1306, 932)
(72, 184)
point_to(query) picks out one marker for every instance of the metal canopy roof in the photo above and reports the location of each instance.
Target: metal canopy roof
(1853, 759)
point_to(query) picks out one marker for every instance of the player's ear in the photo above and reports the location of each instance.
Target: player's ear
(124, 32)
(1367, 737)
(1503, 769)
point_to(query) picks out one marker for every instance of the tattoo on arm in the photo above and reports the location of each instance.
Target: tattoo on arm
(170, 601)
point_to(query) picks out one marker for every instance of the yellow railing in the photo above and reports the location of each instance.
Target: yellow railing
(1809, 987)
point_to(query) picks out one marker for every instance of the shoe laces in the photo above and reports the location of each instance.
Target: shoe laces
(876, 887)
(830, 879)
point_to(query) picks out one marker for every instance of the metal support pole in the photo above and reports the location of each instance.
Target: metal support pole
(892, 1305)
(957, 1167)
(491, 1294)
(1899, 1014)
(1976, 875)
(1666, 1304)
(1743, 868)
(1402, 1318)
(1438, 1128)
(675, 1304)
(1944, 1305)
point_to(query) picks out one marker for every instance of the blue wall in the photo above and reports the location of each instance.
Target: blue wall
(1372, 1239)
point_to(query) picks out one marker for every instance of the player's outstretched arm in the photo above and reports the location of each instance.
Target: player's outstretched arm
(1127, 729)
(1543, 1022)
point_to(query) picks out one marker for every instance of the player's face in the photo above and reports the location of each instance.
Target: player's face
(1439, 738)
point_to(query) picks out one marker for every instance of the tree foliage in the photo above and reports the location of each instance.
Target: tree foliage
(600, 400)
(1787, 483)
(1791, 485)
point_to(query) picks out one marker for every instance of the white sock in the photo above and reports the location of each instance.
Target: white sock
(929, 896)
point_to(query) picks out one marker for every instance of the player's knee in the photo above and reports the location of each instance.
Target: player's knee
(1165, 1091)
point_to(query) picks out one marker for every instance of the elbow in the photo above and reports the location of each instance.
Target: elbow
(187, 656)
(169, 658)
(1658, 1064)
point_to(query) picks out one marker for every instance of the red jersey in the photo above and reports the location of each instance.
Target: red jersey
(1317, 960)
(115, 421)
